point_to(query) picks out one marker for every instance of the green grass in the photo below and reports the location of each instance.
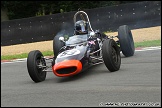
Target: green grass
(16, 56)
(50, 53)
(148, 43)
(24, 55)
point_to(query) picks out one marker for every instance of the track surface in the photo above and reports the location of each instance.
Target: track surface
(138, 80)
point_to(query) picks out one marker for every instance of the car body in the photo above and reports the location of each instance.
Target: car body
(85, 48)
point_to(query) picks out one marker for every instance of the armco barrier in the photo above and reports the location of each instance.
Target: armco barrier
(34, 29)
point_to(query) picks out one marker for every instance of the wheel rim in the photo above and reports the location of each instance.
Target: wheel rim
(40, 61)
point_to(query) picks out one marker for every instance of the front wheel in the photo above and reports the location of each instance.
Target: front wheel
(35, 66)
(111, 55)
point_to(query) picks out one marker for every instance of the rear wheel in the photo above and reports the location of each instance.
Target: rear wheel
(35, 66)
(111, 55)
(126, 40)
(57, 45)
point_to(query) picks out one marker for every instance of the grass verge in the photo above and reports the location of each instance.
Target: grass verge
(50, 53)
(148, 43)
(24, 55)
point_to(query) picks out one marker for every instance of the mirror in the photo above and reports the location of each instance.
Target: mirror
(64, 38)
(61, 39)
(92, 34)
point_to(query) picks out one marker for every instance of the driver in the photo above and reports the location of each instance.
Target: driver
(81, 27)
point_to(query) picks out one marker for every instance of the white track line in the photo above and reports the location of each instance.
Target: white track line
(149, 48)
(14, 61)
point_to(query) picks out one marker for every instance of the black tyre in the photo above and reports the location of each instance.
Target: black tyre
(57, 45)
(126, 40)
(111, 55)
(33, 60)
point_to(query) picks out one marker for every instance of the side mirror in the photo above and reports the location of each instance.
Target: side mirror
(92, 34)
(61, 39)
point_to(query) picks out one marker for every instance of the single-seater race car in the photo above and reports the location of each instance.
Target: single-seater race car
(85, 48)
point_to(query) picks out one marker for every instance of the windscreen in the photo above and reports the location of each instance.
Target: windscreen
(76, 39)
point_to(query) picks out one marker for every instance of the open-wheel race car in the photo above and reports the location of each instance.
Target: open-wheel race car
(85, 48)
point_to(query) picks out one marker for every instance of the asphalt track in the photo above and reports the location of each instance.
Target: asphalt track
(137, 83)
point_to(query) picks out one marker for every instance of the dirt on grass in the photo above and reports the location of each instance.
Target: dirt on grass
(139, 35)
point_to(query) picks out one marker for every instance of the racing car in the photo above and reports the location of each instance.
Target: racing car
(85, 48)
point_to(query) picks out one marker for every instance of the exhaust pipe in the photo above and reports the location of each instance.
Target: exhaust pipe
(67, 68)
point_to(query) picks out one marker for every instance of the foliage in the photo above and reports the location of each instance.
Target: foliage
(24, 9)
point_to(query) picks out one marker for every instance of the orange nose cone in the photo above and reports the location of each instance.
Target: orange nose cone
(67, 68)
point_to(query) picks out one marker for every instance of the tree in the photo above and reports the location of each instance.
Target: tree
(4, 11)
(20, 9)
(24, 9)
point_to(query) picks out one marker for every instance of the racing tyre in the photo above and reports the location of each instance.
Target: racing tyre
(36, 72)
(111, 55)
(126, 40)
(57, 45)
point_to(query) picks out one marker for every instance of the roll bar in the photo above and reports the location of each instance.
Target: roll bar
(82, 12)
